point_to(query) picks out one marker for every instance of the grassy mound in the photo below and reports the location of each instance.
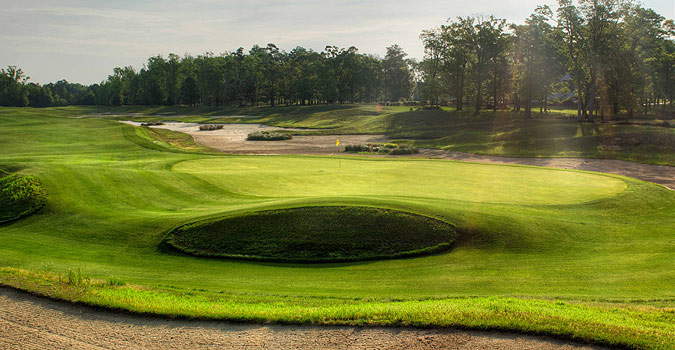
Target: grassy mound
(20, 195)
(315, 234)
(268, 136)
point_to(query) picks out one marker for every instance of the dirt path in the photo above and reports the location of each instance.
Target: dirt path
(232, 139)
(29, 322)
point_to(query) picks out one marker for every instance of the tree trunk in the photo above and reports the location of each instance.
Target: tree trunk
(591, 98)
(528, 107)
(494, 89)
(479, 97)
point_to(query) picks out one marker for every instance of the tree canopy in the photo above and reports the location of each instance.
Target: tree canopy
(602, 56)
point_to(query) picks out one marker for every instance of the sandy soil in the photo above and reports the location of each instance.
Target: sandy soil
(29, 322)
(232, 139)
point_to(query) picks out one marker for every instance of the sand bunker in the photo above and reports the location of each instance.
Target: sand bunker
(232, 139)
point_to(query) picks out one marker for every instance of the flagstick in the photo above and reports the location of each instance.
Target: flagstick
(337, 144)
(339, 161)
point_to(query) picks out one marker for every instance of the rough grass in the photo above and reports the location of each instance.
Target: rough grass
(315, 234)
(529, 237)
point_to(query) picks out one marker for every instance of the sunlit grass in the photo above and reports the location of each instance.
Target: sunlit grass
(528, 237)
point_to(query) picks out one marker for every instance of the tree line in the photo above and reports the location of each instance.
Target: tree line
(601, 56)
(604, 56)
(263, 75)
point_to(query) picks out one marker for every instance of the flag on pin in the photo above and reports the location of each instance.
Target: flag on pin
(337, 143)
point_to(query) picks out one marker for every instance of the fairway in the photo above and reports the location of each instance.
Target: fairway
(529, 237)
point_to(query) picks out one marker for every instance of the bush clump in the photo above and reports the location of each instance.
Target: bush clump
(357, 148)
(268, 136)
(209, 127)
(20, 195)
(146, 124)
(386, 148)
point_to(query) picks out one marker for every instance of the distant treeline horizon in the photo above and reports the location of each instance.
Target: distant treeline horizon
(601, 56)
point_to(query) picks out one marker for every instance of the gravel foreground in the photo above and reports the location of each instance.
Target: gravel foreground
(30, 322)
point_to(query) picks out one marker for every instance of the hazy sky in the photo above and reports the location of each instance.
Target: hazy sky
(81, 41)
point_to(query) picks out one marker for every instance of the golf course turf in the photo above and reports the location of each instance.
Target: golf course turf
(574, 254)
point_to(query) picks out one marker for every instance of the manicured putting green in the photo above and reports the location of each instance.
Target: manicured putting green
(322, 177)
(315, 234)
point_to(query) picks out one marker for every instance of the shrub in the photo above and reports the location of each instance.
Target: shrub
(356, 148)
(146, 124)
(20, 196)
(209, 127)
(386, 148)
(404, 150)
(268, 136)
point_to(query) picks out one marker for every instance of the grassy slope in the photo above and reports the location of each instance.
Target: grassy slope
(525, 232)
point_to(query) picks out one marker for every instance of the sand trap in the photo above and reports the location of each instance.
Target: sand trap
(232, 139)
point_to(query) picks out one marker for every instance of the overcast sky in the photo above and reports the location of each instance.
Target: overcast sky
(82, 41)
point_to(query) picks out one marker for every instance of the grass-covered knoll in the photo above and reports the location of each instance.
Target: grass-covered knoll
(315, 234)
(164, 140)
(20, 195)
(577, 254)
